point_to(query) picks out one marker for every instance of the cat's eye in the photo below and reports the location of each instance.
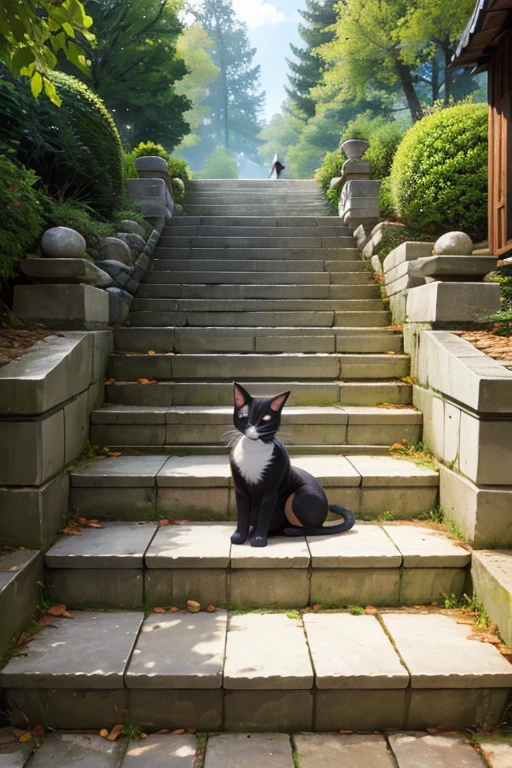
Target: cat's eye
(267, 418)
(243, 413)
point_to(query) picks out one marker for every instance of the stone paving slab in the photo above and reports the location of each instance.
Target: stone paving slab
(179, 651)
(365, 546)
(279, 553)
(387, 471)
(88, 650)
(426, 548)
(194, 471)
(62, 750)
(191, 546)
(325, 750)
(353, 652)
(123, 471)
(497, 750)
(437, 653)
(161, 751)
(266, 652)
(421, 750)
(329, 470)
(255, 750)
(114, 545)
(12, 753)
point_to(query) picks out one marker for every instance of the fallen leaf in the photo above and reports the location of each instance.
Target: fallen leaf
(505, 650)
(38, 731)
(72, 531)
(178, 732)
(163, 523)
(114, 454)
(151, 352)
(159, 610)
(114, 733)
(14, 567)
(193, 606)
(58, 610)
(485, 637)
(94, 525)
(164, 730)
(145, 381)
(104, 733)
(180, 522)
(143, 735)
(316, 607)
(46, 621)
(211, 609)
(25, 738)
(108, 382)
(191, 731)
(371, 610)
(19, 732)
(173, 609)
(346, 732)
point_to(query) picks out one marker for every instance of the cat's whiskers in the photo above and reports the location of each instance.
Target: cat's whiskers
(231, 437)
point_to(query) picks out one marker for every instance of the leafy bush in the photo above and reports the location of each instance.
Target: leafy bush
(78, 216)
(439, 174)
(220, 165)
(21, 214)
(178, 169)
(330, 168)
(74, 149)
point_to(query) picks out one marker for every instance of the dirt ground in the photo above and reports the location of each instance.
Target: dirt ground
(497, 347)
(14, 342)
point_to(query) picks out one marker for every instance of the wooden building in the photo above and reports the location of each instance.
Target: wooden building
(487, 45)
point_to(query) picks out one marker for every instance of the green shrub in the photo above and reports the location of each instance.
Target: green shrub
(178, 168)
(21, 214)
(330, 168)
(178, 190)
(76, 215)
(220, 165)
(129, 169)
(74, 149)
(439, 174)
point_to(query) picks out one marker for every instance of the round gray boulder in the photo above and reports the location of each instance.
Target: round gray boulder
(135, 243)
(63, 243)
(127, 225)
(114, 249)
(151, 163)
(454, 244)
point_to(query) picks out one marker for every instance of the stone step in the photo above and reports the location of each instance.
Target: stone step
(257, 672)
(201, 488)
(260, 291)
(272, 241)
(171, 277)
(255, 305)
(229, 231)
(258, 221)
(325, 319)
(279, 209)
(167, 394)
(258, 200)
(215, 367)
(248, 185)
(382, 565)
(129, 427)
(263, 261)
(214, 340)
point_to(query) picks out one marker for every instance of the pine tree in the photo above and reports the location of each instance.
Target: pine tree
(306, 73)
(235, 100)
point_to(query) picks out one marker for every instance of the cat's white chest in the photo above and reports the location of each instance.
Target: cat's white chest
(252, 457)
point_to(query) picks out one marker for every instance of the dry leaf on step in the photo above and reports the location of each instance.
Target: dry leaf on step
(178, 732)
(211, 609)
(25, 738)
(114, 733)
(151, 352)
(58, 610)
(180, 522)
(163, 523)
(108, 382)
(371, 610)
(38, 731)
(193, 606)
(485, 637)
(104, 732)
(164, 730)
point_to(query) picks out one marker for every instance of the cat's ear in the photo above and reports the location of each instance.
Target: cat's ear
(241, 396)
(278, 402)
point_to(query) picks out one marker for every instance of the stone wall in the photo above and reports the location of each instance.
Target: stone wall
(45, 400)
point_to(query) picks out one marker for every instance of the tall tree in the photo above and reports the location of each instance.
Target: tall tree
(135, 68)
(235, 100)
(306, 72)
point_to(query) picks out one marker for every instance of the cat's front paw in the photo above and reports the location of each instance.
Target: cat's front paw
(259, 541)
(238, 538)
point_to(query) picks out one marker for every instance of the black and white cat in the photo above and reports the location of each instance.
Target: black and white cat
(271, 495)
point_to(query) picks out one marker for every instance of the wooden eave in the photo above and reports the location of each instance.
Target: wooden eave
(490, 22)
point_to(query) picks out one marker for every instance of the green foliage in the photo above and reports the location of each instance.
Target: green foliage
(129, 169)
(439, 174)
(34, 34)
(220, 165)
(282, 132)
(76, 215)
(178, 168)
(74, 149)
(21, 214)
(384, 136)
(330, 168)
(357, 610)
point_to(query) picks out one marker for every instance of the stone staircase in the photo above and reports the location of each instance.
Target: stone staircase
(256, 283)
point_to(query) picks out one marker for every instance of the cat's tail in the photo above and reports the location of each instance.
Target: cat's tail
(349, 520)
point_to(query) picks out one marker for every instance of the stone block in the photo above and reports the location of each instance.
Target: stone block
(491, 572)
(398, 307)
(65, 271)
(333, 588)
(76, 427)
(362, 188)
(452, 302)
(453, 268)
(32, 517)
(67, 708)
(376, 236)
(114, 268)
(484, 515)
(95, 397)
(403, 284)
(63, 243)
(96, 588)
(118, 309)
(62, 306)
(249, 751)
(422, 586)
(162, 751)
(433, 409)
(103, 346)
(156, 709)
(114, 503)
(270, 588)
(332, 751)
(51, 372)
(21, 573)
(452, 415)
(408, 251)
(115, 249)
(485, 450)
(176, 586)
(127, 225)
(359, 710)
(481, 707)
(194, 503)
(32, 451)
(87, 750)
(151, 163)
(153, 197)
(280, 710)
(443, 750)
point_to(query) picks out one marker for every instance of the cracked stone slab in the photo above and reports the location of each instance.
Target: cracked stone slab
(119, 472)
(114, 545)
(353, 652)
(266, 652)
(191, 546)
(161, 751)
(437, 653)
(426, 548)
(194, 472)
(60, 750)
(333, 471)
(12, 753)
(179, 651)
(279, 553)
(89, 650)
(365, 546)
(334, 751)
(272, 750)
(421, 750)
(387, 471)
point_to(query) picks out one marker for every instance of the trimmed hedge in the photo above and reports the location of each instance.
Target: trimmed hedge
(439, 174)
